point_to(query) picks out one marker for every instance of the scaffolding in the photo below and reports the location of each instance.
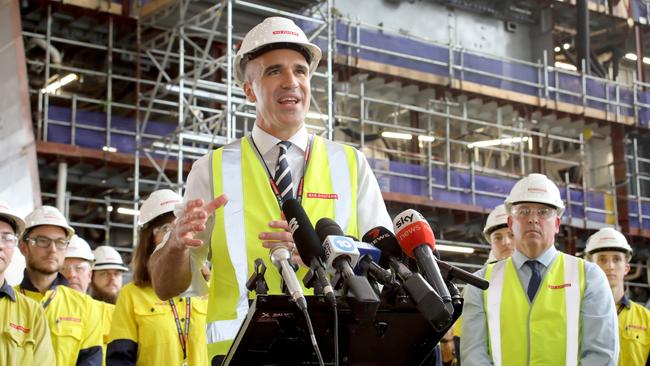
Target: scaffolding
(182, 80)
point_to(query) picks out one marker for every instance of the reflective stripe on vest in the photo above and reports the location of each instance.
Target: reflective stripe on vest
(507, 305)
(239, 174)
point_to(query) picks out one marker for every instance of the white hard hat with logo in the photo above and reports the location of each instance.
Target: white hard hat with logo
(274, 33)
(48, 215)
(159, 202)
(108, 258)
(9, 214)
(536, 188)
(607, 239)
(496, 219)
(79, 248)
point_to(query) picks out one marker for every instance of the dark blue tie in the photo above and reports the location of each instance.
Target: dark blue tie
(282, 172)
(535, 278)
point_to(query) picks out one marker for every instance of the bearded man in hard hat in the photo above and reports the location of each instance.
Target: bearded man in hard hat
(279, 160)
(26, 339)
(75, 325)
(107, 276)
(543, 307)
(610, 250)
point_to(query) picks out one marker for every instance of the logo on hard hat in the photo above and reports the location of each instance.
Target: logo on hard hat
(534, 189)
(286, 32)
(167, 202)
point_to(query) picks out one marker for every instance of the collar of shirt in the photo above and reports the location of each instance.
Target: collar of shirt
(7, 291)
(27, 284)
(519, 259)
(626, 301)
(265, 142)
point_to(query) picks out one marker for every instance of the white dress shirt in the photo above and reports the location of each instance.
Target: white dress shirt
(371, 209)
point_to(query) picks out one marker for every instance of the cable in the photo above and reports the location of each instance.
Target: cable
(312, 336)
(336, 337)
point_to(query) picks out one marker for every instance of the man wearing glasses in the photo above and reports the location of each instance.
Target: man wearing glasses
(26, 339)
(543, 307)
(74, 323)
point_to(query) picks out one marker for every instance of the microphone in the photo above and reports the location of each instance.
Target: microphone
(339, 252)
(419, 290)
(308, 245)
(280, 257)
(416, 239)
(367, 264)
(341, 255)
(455, 272)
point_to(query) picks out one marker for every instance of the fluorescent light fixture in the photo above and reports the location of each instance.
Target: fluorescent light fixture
(633, 57)
(128, 211)
(505, 141)
(59, 83)
(426, 138)
(557, 49)
(396, 135)
(109, 149)
(565, 66)
(454, 248)
(316, 115)
(566, 46)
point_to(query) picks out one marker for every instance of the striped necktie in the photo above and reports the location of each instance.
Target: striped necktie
(282, 172)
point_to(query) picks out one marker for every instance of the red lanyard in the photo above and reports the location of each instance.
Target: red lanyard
(274, 187)
(183, 338)
(49, 299)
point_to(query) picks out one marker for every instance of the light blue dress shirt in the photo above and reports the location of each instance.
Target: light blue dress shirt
(599, 344)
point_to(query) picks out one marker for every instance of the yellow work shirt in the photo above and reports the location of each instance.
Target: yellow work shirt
(75, 325)
(634, 333)
(144, 329)
(106, 311)
(25, 338)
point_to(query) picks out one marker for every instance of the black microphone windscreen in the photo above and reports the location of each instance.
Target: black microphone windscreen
(302, 231)
(386, 241)
(326, 227)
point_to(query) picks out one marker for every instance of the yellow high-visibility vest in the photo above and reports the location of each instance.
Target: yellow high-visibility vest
(330, 190)
(546, 332)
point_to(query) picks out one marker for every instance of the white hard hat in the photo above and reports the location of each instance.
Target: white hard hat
(159, 202)
(607, 239)
(497, 218)
(536, 188)
(48, 215)
(9, 214)
(108, 258)
(274, 33)
(79, 248)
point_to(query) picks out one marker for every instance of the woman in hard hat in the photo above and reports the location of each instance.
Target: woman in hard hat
(145, 329)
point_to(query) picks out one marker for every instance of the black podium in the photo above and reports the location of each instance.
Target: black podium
(275, 333)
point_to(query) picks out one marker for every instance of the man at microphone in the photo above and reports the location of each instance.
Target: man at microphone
(543, 307)
(279, 160)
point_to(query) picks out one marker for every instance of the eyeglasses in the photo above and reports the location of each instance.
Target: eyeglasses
(82, 267)
(541, 212)
(8, 240)
(163, 228)
(44, 242)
